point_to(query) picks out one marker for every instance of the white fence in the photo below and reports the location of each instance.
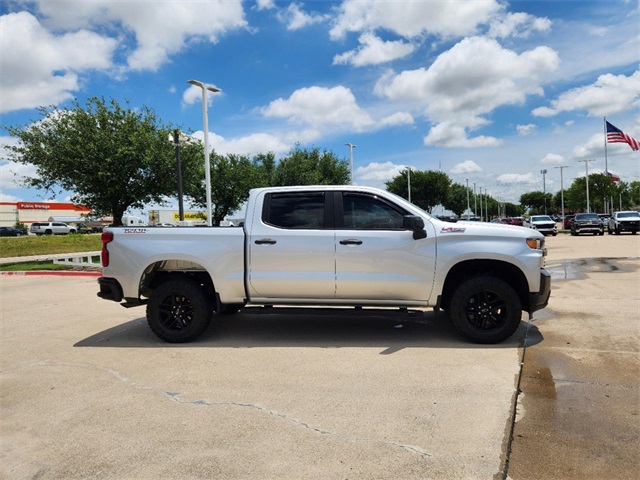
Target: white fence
(87, 259)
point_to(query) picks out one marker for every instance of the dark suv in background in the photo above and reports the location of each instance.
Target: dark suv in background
(587, 223)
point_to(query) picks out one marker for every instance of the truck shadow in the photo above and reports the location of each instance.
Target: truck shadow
(254, 327)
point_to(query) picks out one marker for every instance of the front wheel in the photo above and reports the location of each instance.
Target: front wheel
(179, 310)
(485, 309)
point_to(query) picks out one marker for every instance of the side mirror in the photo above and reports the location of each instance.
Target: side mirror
(415, 224)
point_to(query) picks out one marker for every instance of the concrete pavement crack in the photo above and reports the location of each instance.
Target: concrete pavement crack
(175, 397)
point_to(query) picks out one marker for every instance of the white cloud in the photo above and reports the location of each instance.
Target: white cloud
(320, 106)
(399, 118)
(40, 68)
(553, 159)
(265, 4)
(519, 25)
(518, 178)
(12, 173)
(159, 29)
(468, 166)
(524, 130)
(296, 18)
(193, 94)
(380, 172)
(374, 51)
(471, 79)
(608, 95)
(413, 19)
(247, 145)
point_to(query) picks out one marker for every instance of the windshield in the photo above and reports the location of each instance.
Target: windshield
(629, 215)
(541, 218)
(587, 216)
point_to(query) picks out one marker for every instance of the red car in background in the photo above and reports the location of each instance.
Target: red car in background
(567, 221)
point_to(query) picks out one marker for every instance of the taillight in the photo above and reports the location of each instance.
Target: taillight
(104, 255)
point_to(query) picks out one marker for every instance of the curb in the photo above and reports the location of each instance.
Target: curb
(51, 273)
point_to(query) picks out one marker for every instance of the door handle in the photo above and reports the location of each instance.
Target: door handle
(351, 241)
(265, 241)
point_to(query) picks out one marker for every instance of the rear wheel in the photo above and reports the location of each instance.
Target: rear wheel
(179, 310)
(485, 309)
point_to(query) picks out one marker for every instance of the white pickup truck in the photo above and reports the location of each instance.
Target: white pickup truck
(329, 246)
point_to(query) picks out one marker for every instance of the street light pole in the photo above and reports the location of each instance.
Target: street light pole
(475, 200)
(544, 189)
(409, 184)
(586, 164)
(468, 206)
(562, 167)
(205, 122)
(351, 147)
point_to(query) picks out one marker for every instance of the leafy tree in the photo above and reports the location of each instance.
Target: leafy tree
(456, 200)
(111, 158)
(428, 188)
(308, 167)
(601, 189)
(634, 194)
(512, 210)
(232, 176)
(536, 201)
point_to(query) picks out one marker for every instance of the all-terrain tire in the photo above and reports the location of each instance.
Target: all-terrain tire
(485, 309)
(179, 310)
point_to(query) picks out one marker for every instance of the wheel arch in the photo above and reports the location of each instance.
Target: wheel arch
(160, 271)
(473, 268)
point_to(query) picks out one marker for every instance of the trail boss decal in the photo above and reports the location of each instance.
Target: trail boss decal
(135, 230)
(452, 230)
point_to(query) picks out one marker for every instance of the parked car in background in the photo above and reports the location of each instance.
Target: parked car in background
(567, 221)
(52, 228)
(12, 232)
(624, 222)
(605, 218)
(543, 223)
(587, 223)
(513, 221)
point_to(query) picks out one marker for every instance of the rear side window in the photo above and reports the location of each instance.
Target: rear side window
(295, 210)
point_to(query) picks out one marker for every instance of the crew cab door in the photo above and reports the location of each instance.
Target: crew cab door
(291, 255)
(376, 259)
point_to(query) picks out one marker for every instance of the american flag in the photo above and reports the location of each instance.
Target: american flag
(615, 135)
(613, 177)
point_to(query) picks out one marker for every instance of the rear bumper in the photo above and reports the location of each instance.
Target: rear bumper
(539, 300)
(110, 289)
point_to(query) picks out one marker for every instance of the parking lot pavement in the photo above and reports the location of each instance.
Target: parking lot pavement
(88, 391)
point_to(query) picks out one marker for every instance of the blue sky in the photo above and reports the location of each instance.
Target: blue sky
(487, 91)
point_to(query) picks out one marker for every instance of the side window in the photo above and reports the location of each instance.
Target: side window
(295, 210)
(370, 213)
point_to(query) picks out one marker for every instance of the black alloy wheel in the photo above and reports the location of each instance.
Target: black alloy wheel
(485, 309)
(179, 310)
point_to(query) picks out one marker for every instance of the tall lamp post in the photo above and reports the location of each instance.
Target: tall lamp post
(468, 206)
(586, 164)
(544, 189)
(205, 122)
(409, 184)
(351, 147)
(562, 167)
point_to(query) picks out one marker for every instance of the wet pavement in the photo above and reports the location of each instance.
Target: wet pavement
(578, 409)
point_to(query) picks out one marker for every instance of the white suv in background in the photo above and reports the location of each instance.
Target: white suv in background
(51, 228)
(543, 223)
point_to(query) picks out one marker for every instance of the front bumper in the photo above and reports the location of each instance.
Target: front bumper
(540, 299)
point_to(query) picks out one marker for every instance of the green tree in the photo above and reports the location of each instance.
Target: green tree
(111, 158)
(428, 188)
(537, 202)
(232, 176)
(309, 167)
(601, 189)
(456, 200)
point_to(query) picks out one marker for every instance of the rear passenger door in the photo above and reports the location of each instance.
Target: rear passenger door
(291, 247)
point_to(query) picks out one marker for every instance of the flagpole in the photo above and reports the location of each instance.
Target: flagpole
(606, 162)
